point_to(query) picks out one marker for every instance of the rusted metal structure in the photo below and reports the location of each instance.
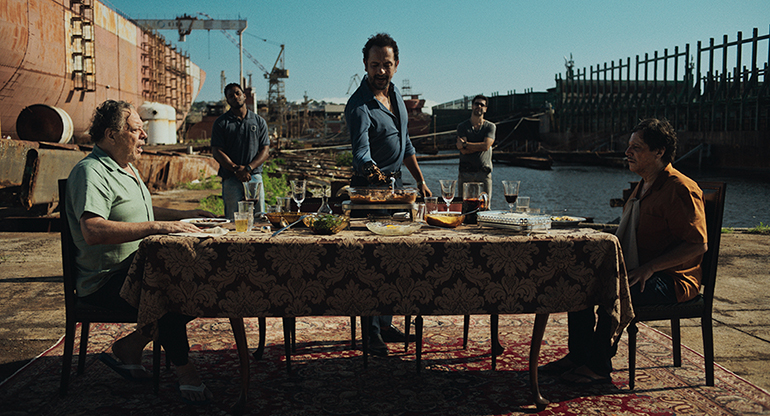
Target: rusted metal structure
(29, 172)
(74, 54)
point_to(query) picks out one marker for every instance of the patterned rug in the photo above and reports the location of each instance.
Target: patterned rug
(328, 378)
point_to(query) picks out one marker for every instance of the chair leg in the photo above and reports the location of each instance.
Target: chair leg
(676, 338)
(466, 325)
(632, 330)
(418, 347)
(288, 329)
(293, 335)
(262, 334)
(708, 348)
(366, 323)
(69, 346)
(83, 347)
(407, 324)
(353, 332)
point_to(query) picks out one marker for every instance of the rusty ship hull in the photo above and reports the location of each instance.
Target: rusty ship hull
(74, 54)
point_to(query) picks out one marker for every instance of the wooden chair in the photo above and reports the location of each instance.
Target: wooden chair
(76, 311)
(701, 305)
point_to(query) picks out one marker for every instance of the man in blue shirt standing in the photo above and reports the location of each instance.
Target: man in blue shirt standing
(377, 120)
(240, 144)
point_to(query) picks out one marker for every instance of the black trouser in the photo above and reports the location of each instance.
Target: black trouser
(590, 339)
(172, 327)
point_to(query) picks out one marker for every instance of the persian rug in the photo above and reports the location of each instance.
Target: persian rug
(328, 377)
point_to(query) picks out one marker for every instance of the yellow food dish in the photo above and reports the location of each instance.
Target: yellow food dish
(444, 219)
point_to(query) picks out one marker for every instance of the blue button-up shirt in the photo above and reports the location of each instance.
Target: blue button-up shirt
(376, 134)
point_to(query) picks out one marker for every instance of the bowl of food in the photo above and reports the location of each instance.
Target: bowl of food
(393, 227)
(382, 195)
(445, 219)
(282, 219)
(326, 224)
(565, 221)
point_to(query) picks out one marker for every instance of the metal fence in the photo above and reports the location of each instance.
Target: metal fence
(721, 87)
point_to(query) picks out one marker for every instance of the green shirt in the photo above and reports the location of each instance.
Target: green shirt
(98, 185)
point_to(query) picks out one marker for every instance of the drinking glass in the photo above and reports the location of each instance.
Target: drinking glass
(447, 191)
(298, 192)
(247, 207)
(284, 204)
(511, 193)
(431, 204)
(242, 221)
(522, 204)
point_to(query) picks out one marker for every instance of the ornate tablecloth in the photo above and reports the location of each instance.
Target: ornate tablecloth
(357, 273)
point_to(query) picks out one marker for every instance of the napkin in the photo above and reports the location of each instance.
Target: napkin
(205, 233)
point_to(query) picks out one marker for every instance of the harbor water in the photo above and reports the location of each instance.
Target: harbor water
(586, 191)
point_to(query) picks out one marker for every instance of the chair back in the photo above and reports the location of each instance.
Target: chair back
(68, 251)
(714, 201)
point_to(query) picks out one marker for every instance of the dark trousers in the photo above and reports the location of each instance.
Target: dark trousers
(590, 339)
(172, 327)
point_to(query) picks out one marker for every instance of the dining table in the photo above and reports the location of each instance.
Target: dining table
(468, 270)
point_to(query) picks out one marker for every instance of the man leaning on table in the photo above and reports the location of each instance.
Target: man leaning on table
(109, 211)
(377, 119)
(663, 235)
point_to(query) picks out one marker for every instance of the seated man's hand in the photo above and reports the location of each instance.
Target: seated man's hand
(639, 275)
(168, 227)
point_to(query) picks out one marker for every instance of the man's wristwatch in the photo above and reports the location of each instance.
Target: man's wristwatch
(465, 145)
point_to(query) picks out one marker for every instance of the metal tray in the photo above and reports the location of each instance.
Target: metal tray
(514, 221)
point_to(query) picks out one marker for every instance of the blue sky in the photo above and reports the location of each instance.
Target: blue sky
(448, 48)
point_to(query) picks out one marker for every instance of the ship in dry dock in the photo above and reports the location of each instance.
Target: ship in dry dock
(58, 60)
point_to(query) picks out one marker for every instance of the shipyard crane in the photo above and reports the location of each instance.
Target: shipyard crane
(355, 80)
(276, 100)
(186, 24)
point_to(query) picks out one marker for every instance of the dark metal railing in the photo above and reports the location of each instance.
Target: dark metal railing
(715, 89)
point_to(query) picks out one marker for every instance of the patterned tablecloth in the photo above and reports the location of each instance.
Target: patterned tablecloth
(357, 273)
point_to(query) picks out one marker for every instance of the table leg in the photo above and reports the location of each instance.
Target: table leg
(541, 320)
(243, 354)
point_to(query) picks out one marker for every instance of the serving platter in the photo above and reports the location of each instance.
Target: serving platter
(206, 222)
(393, 228)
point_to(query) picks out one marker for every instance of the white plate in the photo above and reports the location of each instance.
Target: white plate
(206, 222)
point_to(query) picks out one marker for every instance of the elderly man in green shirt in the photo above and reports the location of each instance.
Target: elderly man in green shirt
(110, 211)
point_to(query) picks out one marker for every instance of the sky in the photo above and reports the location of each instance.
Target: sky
(448, 48)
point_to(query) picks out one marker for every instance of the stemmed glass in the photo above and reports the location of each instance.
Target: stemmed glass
(511, 193)
(298, 192)
(447, 191)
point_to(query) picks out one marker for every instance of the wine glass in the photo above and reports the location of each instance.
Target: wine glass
(511, 193)
(325, 208)
(298, 192)
(447, 191)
